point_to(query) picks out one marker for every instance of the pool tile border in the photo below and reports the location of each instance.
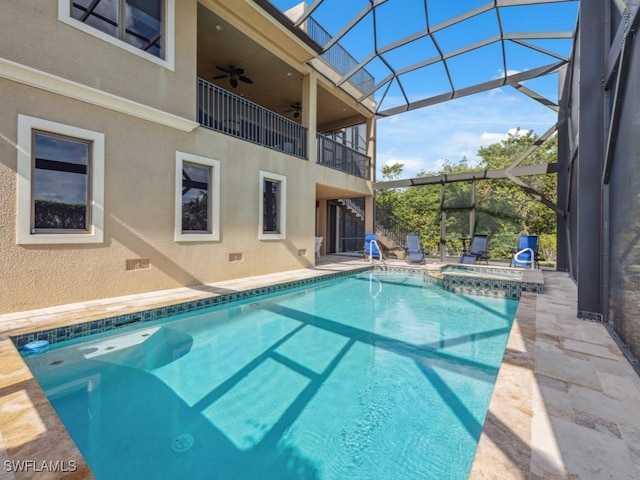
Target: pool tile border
(70, 332)
(512, 289)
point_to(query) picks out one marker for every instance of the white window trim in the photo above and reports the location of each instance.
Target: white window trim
(24, 236)
(214, 196)
(282, 213)
(64, 15)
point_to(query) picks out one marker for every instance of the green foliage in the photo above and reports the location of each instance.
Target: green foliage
(391, 172)
(503, 209)
(547, 247)
(58, 215)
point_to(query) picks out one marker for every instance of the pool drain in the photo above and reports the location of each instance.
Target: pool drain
(182, 443)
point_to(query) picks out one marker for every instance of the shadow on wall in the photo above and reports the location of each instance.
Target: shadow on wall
(134, 242)
(128, 238)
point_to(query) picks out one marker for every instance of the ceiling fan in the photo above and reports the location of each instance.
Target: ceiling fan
(234, 75)
(296, 108)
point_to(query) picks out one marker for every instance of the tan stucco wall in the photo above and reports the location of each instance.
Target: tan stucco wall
(139, 209)
(33, 36)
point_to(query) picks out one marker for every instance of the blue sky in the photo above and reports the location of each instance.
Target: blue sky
(422, 139)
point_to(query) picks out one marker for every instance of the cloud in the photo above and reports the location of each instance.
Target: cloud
(491, 138)
(519, 132)
(509, 72)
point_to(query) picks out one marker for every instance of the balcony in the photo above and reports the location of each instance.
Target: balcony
(226, 112)
(337, 155)
(231, 114)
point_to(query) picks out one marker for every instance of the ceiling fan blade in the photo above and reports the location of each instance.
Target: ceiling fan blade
(245, 79)
(234, 82)
(224, 69)
(287, 111)
(296, 115)
(218, 77)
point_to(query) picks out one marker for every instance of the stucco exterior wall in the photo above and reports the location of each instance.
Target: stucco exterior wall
(33, 36)
(139, 209)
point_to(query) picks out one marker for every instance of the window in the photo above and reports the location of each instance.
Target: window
(143, 27)
(273, 201)
(197, 198)
(60, 183)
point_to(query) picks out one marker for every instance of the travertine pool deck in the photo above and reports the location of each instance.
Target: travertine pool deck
(565, 403)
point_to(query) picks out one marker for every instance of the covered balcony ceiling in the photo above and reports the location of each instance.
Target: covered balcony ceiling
(275, 85)
(423, 52)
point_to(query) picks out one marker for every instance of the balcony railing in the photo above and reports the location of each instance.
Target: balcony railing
(336, 155)
(339, 58)
(226, 112)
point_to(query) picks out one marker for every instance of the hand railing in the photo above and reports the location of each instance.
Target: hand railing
(339, 58)
(337, 155)
(355, 204)
(392, 226)
(226, 112)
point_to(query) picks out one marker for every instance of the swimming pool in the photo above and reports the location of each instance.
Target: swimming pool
(379, 375)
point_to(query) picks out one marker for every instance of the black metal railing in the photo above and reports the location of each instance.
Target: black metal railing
(226, 112)
(339, 58)
(392, 226)
(336, 155)
(357, 205)
(351, 244)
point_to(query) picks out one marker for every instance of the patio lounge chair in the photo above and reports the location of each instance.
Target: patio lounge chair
(414, 251)
(371, 247)
(477, 251)
(527, 254)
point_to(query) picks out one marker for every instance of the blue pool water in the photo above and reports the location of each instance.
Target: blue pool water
(375, 376)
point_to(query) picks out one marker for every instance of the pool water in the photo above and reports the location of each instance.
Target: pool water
(375, 376)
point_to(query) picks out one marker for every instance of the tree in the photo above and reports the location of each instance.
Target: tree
(392, 172)
(387, 198)
(503, 209)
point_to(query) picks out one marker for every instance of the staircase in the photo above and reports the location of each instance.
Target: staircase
(393, 231)
(352, 208)
(390, 238)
